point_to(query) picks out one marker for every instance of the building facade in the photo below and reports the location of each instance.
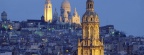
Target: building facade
(90, 43)
(75, 18)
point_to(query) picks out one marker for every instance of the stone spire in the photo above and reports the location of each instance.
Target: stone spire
(75, 13)
(55, 15)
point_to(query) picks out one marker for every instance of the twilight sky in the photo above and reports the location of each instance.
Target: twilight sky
(125, 15)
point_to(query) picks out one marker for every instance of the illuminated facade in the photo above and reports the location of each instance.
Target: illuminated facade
(65, 15)
(48, 11)
(75, 17)
(90, 43)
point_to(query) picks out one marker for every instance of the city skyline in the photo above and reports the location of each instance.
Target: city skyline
(126, 16)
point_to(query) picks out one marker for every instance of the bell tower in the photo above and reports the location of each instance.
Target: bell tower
(48, 11)
(90, 5)
(90, 43)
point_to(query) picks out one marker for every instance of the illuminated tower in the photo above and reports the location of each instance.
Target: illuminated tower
(90, 43)
(48, 11)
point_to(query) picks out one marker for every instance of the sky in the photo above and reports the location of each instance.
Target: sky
(125, 15)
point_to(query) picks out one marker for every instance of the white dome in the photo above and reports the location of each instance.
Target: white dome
(66, 5)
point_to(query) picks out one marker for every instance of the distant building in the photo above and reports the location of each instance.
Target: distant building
(65, 15)
(4, 16)
(16, 25)
(75, 18)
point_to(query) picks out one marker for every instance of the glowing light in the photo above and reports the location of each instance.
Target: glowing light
(67, 51)
(113, 32)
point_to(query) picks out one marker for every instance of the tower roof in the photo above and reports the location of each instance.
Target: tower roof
(75, 12)
(90, 14)
(3, 13)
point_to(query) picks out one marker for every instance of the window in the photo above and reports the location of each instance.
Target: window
(91, 6)
(86, 43)
(91, 19)
(86, 19)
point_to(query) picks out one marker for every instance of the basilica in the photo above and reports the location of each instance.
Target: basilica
(65, 20)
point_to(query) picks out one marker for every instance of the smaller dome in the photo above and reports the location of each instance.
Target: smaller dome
(66, 5)
(90, 17)
(3, 13)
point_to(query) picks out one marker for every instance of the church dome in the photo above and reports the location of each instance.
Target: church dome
(66, 5)
(90, 16)
(3, 13)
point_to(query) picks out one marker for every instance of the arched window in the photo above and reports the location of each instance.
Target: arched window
(92, 32)
(86, 20)
(91, 19)
(90, 5)
(86, 32)
(85, 43)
